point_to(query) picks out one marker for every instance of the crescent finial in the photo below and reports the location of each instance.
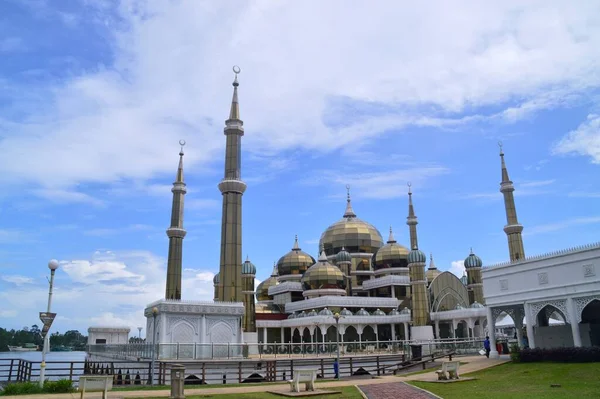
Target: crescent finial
(236, 69)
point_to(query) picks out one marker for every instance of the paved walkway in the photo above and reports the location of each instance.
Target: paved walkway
(475, 363)
(394, 390)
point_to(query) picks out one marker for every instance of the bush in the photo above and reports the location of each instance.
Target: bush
(60, 386)
(565, 355)
(22, 388)
(29, 388)
(515, 353)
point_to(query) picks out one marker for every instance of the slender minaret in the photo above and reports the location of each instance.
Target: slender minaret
(232, 187)
(418, 284)
(249, 319)
(411, 221)
(512, 229)
(176, 233)
(473, 265)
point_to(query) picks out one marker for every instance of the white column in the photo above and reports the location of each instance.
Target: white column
(265, 335)
(393, 326)
(437, 329)
(282, 335)
(573, 320)
(203, 329)
(492, 333)
(406, 337)
(530, 321)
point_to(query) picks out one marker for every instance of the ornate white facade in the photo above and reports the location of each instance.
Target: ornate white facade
(563, 283)
(194, 322)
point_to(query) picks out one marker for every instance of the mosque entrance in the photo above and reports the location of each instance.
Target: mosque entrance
(591, 316)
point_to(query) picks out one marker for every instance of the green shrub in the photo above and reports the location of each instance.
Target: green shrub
(29, 388)
(515, 353)
(60, 386)
(22, 388)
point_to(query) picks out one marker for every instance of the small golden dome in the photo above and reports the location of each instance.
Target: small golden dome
(391, 254)
(294, 262)
(262, 291)
(351, 233)
(323, 275)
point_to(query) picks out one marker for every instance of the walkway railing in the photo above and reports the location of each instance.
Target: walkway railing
(191, 351)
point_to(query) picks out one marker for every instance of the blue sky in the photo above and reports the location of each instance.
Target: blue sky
(95, 96)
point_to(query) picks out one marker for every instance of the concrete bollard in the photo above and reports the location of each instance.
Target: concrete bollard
(177, 380)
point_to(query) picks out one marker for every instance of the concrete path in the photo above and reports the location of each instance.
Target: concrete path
(394, 390)
(475, 363)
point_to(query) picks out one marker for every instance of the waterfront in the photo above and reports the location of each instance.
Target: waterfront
(50, 356)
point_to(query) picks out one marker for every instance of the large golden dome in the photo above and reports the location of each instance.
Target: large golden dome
(323, 275)
(351, 233)
(391, 254)
(262, 291)
(294, 262)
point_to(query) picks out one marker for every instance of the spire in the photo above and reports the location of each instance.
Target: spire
(235, 106)
(513, 228)
(275, 273)
(411, 220)
(247, 258)
(179, 178)
(296, 247)
(391, 238)
(431, 264)
(505, 178)
(349, 211)
(322, 256)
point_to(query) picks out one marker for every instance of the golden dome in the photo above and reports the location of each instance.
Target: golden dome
(262, 291)
(391, 254)
(323, 275)
(351, 233)
(294, 262)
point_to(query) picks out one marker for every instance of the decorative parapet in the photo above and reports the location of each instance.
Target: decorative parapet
(109, 330)
(330, 320)
(458, 314)
(195, 307)
(287, 286)
(548, 255)
(341, 302)
(386, 281)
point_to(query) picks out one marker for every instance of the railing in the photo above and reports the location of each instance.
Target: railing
(191, 351)
(16, 370)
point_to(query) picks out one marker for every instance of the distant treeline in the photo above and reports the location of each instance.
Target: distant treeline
(71, 339)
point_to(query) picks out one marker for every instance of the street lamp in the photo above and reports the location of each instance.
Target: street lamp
(337, 341)
(52, 265)
(154, 314)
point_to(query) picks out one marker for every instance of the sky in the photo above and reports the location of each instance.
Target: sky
(96, 94)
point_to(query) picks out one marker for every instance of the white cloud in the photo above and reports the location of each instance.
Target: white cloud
(201, 204)
(62, 196)
(552, 227)
(17, 280)
(103, 232)
(457, 267)
(585, 140)
(110, 288)
(8, 313)
(171, 74)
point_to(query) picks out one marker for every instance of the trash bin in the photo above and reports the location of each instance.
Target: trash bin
(416, 351)
(177, 380)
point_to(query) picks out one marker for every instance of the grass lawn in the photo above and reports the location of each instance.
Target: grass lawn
(524, 380)
(347, 393)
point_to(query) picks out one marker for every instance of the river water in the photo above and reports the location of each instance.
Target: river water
(51, 356)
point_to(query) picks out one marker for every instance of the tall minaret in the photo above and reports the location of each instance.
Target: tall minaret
(512, 229)
(411, 221)
(232, 187)
(176, 233)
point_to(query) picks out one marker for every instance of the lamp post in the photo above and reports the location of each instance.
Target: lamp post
(154, 314)
(52, 265)
(337, 341)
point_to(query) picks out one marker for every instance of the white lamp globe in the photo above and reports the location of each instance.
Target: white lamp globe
(53, 264)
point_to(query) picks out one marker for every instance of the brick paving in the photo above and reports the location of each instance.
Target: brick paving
(394, 390)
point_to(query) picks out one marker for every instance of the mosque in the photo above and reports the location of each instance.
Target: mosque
(368, 289)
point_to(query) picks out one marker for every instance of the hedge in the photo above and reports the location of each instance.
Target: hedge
(29, 388)
(566, 355)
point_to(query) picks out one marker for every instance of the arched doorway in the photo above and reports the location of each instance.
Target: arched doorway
(590, 316)
(551, 329)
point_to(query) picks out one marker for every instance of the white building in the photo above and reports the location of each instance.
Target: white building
(561, 285)
(108, 335)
